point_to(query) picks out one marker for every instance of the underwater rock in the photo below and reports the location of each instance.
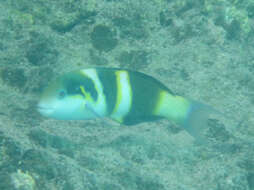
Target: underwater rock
(14, 77)
(131, 27)
(64, 146)
(36, 161)
(134, 59)
(103, 38)
(40, 50)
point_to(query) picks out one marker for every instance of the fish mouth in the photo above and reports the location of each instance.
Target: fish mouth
(45, 110)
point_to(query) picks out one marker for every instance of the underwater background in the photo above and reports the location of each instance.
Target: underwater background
(203, 49)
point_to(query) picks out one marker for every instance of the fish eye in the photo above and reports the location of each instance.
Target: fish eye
(61, 94)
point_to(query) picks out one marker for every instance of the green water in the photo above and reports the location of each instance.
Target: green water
(199, 49)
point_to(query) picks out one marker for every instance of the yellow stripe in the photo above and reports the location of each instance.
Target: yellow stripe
(124, 96)
(172, 107)
(87, 95)
(158, 109)
(99, 106)
(83, 90)
(119, 91)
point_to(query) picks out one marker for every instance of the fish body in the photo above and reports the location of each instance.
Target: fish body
(128, 97)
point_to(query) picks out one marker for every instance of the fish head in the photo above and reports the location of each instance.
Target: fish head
(63, 99)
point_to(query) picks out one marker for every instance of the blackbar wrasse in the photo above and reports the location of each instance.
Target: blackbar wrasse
(128, 97)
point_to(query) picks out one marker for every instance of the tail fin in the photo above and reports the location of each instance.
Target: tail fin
(197, 120)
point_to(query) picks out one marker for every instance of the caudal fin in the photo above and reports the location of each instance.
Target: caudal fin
(196, 120)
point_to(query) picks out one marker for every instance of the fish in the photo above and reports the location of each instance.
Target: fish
(125, 96)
